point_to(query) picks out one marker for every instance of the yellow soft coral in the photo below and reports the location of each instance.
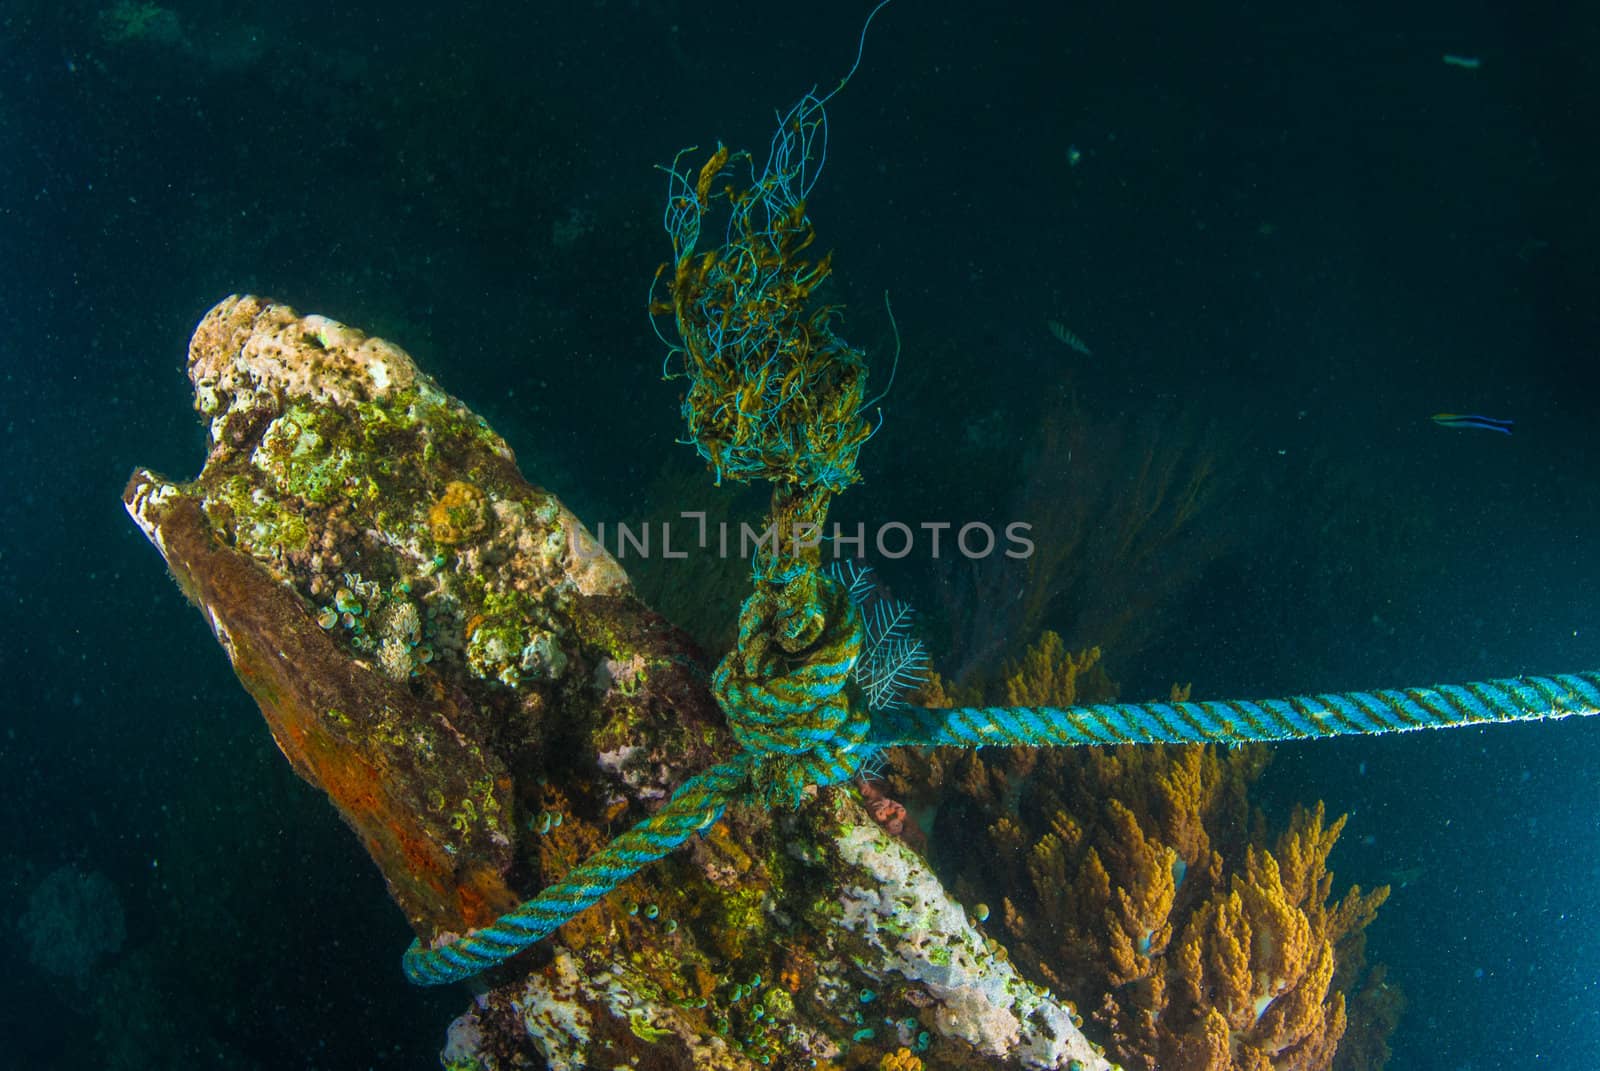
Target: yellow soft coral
(1129, 903)
(900, 1060)
(1140, 879)
(1137, 917)
(1260, 960)
(1047, 675)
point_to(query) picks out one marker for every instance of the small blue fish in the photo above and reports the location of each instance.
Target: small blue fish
(1462, 420)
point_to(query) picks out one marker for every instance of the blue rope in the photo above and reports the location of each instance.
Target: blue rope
(759, 371)
(1242, 721)
(789, 710)
(696, 805)
(792, 714)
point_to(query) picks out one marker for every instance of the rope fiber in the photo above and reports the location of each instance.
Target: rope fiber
(792, 713)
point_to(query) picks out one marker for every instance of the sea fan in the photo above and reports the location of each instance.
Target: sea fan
(892, 663)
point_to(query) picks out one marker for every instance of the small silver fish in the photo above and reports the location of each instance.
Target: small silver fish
(1067, 338)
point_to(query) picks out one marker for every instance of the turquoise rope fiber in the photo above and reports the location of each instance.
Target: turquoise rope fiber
(1242, 721)
(793, 717)
(828, 757)
(792, 712)
(696, 805)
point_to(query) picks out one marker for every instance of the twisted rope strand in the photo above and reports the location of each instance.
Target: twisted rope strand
(799, 731)
(1242, 721)
(696, 805)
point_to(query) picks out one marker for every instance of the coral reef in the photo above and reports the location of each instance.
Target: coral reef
(1139, 880)
(403, 605)
(442, 648)
(895, 917)
(1049, 675)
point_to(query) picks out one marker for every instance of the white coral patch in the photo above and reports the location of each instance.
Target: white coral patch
(919, 932)
(556, 1023)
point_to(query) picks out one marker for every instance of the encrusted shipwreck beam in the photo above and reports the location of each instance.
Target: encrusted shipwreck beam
(443, 649)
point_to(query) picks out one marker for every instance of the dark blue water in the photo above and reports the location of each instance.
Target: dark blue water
(1302, 229)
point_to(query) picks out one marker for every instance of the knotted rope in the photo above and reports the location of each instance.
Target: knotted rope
(782, 688)
(774, 394)
(799, 730)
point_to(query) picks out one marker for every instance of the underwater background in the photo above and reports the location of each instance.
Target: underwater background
(1285, 238)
